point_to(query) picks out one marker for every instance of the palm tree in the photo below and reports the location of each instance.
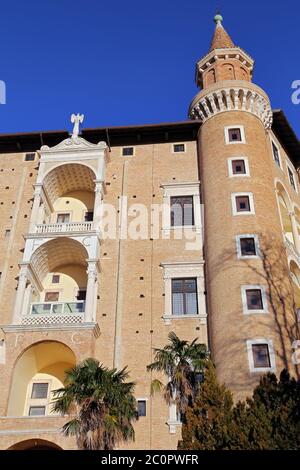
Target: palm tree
(102, 402)
(183, 363)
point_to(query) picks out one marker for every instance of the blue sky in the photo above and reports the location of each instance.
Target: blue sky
(132, 62)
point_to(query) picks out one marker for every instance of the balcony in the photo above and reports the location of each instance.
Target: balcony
(64, 228)
(50, 313)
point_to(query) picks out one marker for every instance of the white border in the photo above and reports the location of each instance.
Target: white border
(242, 130)
(29, 153)
(143, 399)
(238, 175)
(269, 342)
(128, 147)
(181, 189)
(262, 289)
(238, 246)
(233, 204)
(184, 270)
(279, 155)
(289, 167)
(179, 143)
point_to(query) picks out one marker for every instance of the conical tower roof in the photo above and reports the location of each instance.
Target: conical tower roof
(221, 39)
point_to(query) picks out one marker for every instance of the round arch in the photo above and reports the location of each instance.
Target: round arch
(35, 444)
(67, 178)
(43, 361)
(61, 251)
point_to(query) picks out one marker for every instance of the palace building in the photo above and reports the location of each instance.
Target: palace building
(111, 238)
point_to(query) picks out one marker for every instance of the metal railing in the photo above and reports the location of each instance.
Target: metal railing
(61, 228)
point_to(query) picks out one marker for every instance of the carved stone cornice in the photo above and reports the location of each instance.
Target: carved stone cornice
(231, 96)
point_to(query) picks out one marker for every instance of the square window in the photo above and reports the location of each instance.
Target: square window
(39, 390)
(276, 154)
(51, 296)
(184, 296)
(88, 216)
(127, 151)
(55, 279)
(248, 247)
(261, 356)
(81, 294)
(177, 148)
(37, 411)
(142, 409)
(242, 203)
(182, 211)
(29, 157)
(234, 135)
(63, 218)
(238, 167)
(254, 299)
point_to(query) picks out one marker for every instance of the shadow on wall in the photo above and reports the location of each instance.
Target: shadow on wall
(271, 270)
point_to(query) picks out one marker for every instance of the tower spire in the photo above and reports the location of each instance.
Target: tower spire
(221, 39)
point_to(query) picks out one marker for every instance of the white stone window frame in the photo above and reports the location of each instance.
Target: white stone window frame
(178, 143)
(289, 167)
(31, 402)
(279, 154)
(238, 246)
(242, 131)
(269, 342)
(235, 212)
(173, 422)
(181, 189)
(263, 292)
(146, 400)
(241, 175)
(184, 270)
(126, 147)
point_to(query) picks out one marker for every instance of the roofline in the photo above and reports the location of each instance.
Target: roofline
(286, 135)
(116, 135)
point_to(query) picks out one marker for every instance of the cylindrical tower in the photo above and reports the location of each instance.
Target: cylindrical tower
(251, 315)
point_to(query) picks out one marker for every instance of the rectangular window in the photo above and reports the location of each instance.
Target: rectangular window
(234, 135)
(142, 409)
(29, 157)
(182, 211)
(127, 151)
(238, 167)
(254, 299)
(177, 148)
(184, 297)
(55, 279)
(276, 154)
(37, 411)
(39, 390)
(81, 294)
(51, 296)
(242, 203)
(248, 246)
(63, 218)
(88, 216)
(291, 179)
(261, 356)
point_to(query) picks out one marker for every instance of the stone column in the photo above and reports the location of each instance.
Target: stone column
(90, 291)
(23, 277)
(35, 207)
(295, 231)
(98, 204)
